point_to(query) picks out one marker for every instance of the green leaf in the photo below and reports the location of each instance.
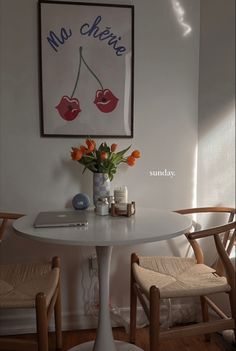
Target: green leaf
(84, 170)
(121, 153)
(104, 147)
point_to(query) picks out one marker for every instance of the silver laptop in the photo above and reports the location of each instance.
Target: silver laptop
(60, 219)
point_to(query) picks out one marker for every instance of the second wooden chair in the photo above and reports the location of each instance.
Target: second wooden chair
(35, 286)
(160, 277)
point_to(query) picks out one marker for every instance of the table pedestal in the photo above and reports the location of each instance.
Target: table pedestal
(104, 339)
(119, 345)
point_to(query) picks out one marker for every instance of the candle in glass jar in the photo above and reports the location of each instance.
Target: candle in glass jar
(121, 195)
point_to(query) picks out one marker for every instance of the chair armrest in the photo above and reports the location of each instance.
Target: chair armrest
(4, 217)
(222, 251)
(207, 209)
(212, 231)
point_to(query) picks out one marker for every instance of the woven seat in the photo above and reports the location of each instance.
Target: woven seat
(178, 277)
(35, 286)
(19, 284)
(154, 278)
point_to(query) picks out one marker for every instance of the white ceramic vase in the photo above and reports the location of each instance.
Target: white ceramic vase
(101, 186)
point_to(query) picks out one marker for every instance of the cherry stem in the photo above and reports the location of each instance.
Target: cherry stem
(90, 70)
(78, 74)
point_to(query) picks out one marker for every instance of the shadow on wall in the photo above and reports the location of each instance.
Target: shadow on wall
(217, 63)
(216, 117)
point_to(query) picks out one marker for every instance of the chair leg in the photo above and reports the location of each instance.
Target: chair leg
(133, 302)
(57, 309)
(42, 322)
(57, 316)
(154, 327)
(232, 300)
(205, 315)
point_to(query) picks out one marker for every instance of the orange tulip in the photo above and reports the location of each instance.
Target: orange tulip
(73, 152)
(103, 155)
(131, 161)
(136, 154)
(83, 149)
(113, 147)
(76, 154)
(91, 144)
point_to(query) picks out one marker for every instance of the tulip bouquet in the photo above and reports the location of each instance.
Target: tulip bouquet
(103, 159)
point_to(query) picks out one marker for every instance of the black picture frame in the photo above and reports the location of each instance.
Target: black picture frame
(86, 69)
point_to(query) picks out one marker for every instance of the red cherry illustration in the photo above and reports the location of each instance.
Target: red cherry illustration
(105, 100)
(68, 108)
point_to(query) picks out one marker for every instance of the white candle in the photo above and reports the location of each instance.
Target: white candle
(121, 195)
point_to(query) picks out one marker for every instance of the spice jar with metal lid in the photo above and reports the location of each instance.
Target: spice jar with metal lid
(102, 206)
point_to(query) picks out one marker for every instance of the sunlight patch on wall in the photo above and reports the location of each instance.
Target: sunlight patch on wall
(180, 15)
(194, 199)
(216, 157)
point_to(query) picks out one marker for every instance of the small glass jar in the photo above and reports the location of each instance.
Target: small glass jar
(111, 201)
(102, 206)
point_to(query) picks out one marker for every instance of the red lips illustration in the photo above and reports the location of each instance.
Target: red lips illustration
(105, 100)
(68, 108)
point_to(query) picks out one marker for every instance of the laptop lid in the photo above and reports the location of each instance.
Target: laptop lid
(60, 219)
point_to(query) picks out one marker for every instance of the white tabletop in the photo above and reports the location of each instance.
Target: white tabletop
(147, 225)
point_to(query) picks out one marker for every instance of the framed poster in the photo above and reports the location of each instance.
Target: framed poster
(86, 69)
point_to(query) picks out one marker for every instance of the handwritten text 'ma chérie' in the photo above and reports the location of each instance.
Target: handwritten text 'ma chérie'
(91, 30)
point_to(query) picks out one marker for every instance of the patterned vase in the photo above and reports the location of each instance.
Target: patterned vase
(101, 186)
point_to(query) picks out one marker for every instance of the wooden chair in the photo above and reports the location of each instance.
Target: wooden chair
(155, 278)
(35, 286)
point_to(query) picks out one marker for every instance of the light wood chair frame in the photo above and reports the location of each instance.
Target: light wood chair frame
(43, 312)
(223, 264)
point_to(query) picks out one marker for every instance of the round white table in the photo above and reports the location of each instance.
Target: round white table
(104, 232)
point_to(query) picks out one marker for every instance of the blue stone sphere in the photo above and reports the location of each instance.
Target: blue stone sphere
(80, 201)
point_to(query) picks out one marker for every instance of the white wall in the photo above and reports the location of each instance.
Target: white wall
(216, 131)
(216, 147)
(37, 173)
